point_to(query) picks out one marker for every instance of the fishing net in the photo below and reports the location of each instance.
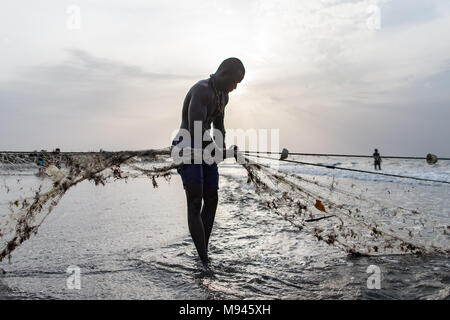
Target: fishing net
(347, 216)
(25, 208)
(342, 216)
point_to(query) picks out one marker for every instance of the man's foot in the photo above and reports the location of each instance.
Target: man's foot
(206, 262)
(207, 270)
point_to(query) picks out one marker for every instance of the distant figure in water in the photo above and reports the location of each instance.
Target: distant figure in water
(205, 102)
(377, 159)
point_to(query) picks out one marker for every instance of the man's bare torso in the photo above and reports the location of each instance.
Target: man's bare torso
(200, 105)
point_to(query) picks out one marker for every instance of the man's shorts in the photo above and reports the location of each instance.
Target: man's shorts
(205, 174)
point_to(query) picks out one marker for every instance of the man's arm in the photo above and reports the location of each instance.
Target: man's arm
(197, 112)
(218, 124)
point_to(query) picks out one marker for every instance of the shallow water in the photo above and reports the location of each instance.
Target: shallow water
(132, 242)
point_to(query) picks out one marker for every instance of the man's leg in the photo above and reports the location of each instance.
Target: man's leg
(210, 199)
(194, 194)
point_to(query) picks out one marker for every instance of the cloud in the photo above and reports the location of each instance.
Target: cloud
(81, 82)
(328, 55)
(115, 69)
(87, 98)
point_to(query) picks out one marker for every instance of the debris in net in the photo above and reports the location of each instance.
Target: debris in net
(356, 224)
(28, 214)
(319, 206)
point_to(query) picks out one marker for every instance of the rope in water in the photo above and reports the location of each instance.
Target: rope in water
(347, 169)
(130, 154)
(340, 155)
(255, 152)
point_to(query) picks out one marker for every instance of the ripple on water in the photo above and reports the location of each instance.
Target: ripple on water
(146, 253)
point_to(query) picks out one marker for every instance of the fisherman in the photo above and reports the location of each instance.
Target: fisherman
(377, 159)
(205, 104)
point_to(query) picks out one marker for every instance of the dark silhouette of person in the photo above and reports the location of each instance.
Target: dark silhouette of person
(377, 160)
(206, 102)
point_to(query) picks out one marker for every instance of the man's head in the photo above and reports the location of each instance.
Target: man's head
(230, 72)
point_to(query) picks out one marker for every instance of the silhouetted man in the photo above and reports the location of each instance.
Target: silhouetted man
(205, 104)
(377, 160)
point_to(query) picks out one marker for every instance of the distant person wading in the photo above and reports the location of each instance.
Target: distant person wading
(377, 160)
(205, 102)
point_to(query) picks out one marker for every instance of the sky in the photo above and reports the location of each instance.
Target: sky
(333, 76)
